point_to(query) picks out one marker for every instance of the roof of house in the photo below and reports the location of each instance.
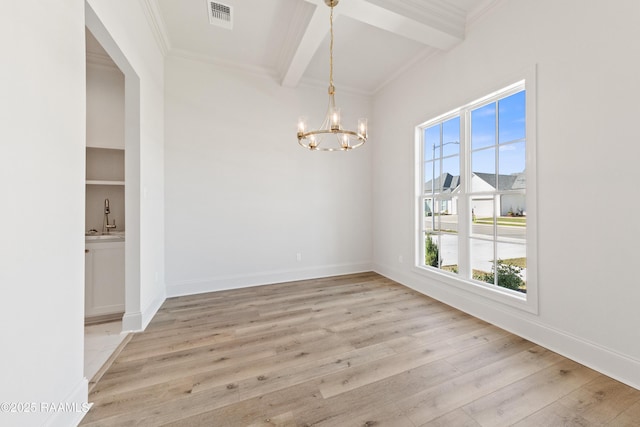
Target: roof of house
(447, 183)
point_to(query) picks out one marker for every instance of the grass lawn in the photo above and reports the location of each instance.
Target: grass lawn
(518, 262)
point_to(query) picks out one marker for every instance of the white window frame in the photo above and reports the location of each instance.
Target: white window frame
(529, 301)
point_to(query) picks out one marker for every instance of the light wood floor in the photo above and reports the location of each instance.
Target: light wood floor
(357, 350)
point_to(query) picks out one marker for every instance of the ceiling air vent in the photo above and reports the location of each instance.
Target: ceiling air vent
(220, 14)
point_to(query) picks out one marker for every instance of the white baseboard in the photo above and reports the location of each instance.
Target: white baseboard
(72, 409)
(151, 311)
(106, 309)
(132, 322)
(138, 321)
(607, 361)
(265, 278)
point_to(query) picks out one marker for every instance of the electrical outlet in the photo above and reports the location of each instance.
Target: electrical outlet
(299, 256)
(400, 259)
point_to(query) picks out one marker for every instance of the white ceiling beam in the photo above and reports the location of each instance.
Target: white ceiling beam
(394, 17)
(397, 20)
(313, 35)
(409, 19)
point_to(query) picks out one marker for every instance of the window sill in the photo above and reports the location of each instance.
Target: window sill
(525, 302)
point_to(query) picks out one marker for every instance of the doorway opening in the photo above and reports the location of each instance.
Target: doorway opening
(105, 223)
(115, 190)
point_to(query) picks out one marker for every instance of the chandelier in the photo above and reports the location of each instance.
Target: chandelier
(331, 136)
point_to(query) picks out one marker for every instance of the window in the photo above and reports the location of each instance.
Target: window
(441, 148)
(473, 194)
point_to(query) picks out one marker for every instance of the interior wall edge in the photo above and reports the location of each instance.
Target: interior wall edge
(77, 401)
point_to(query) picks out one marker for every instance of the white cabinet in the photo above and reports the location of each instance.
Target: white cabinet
(104, 278)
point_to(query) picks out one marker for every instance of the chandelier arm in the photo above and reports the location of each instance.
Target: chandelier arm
(304, 135)
(336, 148)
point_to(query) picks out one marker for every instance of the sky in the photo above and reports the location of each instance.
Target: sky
(510, 132)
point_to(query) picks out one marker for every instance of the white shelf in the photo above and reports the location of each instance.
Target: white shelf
(99, 182)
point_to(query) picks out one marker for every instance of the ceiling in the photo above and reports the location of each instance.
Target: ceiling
(374, 40)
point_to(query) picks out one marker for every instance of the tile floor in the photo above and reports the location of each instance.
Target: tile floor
(99, 343)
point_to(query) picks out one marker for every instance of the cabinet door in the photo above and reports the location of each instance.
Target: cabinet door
(105, 284)
(105, 107)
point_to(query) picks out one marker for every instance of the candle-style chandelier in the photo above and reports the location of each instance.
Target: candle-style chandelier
(331, 136)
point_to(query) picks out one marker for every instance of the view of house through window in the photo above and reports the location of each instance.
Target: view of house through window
(473, 200)
(441, 190)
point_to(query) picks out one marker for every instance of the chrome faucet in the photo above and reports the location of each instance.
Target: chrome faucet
(105, 223)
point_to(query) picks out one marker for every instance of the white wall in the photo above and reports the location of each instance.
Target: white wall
(243, 198)
(42, 143)
(587, 102)
(132, 45)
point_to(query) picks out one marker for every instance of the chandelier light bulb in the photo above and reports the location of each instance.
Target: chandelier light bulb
(335, 119)
(362, 128)
(302, 125)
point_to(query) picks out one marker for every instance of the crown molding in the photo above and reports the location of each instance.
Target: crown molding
(259, 71)
(100, 60)
(231, 65)
(424, 56)
(157, 25)
(482, 11)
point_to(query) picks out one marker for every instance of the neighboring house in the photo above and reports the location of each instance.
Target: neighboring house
(447, 188)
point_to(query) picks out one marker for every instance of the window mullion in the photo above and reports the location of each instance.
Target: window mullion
(464, 217)
(496, 197)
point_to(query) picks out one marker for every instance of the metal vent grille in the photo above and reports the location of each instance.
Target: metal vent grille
(220, 14)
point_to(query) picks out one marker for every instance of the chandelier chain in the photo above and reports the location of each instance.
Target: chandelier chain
(331, 51)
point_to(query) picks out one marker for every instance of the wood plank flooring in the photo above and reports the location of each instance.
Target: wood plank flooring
(356, 350)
